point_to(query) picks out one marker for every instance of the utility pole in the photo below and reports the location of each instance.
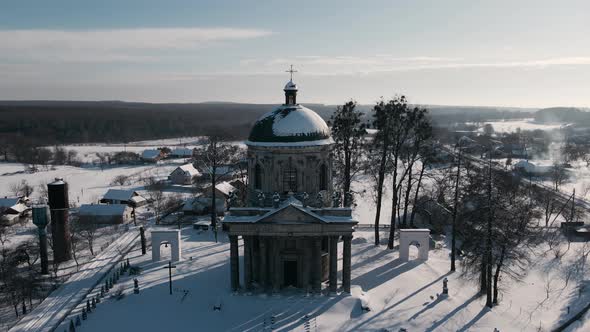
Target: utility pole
(170, 267)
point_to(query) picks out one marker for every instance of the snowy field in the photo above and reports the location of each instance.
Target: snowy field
(524, 124)
(400, 295)
(86, 184)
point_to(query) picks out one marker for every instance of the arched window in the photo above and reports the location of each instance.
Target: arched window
(290, 179)
(323, 177)
(257, 177)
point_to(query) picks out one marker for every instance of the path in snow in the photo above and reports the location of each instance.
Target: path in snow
(56, 307)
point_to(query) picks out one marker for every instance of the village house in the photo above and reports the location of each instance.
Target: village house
(184, 174)
(152, 155)
(222, 190)
(105, 213)
(181, 153)
(202, 206)
(13, 208)
(127, 197)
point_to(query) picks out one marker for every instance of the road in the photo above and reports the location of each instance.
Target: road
(56, 307)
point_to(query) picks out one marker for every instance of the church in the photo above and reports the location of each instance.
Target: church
(292, 225)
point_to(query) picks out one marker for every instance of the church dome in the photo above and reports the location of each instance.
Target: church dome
(290, 86)
(290, 123)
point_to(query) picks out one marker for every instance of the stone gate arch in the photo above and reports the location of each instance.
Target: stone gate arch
(170, 236)
(419, 237)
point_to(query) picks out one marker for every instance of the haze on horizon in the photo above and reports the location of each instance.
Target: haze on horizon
(498, 53)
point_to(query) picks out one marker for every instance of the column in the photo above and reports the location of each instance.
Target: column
(263, 271)
(316, 258)
(276, 263)
(255, 258)
(333, 264)
(247, 262)
(234, 262)
(305, 267)
(346, 266)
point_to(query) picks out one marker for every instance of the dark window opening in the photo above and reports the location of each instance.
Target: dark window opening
(257, 177)
(323, 177)
(290, 180)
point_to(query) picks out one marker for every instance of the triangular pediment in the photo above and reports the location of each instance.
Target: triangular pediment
(291, 214)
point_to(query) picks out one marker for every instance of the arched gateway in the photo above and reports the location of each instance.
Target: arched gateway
(292, 243)
(167, 237)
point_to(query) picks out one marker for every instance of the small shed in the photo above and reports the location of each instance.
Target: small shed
(127, 197)
(105, 213)
(184, 174)
(202, 206)
(152, 155)
(181, 153)
(222, 190)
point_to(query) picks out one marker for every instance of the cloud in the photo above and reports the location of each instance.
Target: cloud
(113, 45)
(383, 63)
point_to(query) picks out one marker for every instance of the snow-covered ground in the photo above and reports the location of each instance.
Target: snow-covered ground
(400, 295)
(86, 184)
(523, 124)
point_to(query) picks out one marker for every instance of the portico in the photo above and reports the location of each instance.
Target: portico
(290, 247)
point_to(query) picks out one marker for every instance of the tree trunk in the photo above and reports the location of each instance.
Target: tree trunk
(381, 179)
(407, 197)
(455, 203)
(393, 204)
(489, 260)
(483, 283)
(497, 275)
(213, 194)
(347, 179)
(413, 215)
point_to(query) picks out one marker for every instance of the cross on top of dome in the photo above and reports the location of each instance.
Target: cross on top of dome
(291, 71)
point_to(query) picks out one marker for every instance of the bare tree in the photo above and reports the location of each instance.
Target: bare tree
(120, 180)
(211, 157)
(155, 190)
(22, 189)
(348, 131)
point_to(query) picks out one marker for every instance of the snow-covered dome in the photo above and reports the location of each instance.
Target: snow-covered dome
(290, 86)
(290, 123)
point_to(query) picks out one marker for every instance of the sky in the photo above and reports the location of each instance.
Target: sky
(456, 52)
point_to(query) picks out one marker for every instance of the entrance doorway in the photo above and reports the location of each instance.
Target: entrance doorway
(290, 273)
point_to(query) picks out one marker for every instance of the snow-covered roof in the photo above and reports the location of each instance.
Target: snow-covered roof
(8, 202)
(184, 152)
(225, 187)
(102, 209)
(292, 205)
(219, 170)
(150, 154)
(137, 199)
(189, 169)
(289, 123)
(119, 194)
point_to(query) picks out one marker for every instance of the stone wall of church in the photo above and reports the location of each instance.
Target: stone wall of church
(274, 166)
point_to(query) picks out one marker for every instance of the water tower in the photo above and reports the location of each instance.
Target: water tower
(41, 218)
(60, 228)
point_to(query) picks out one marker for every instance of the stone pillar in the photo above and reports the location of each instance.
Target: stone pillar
(247, 262)
(305, 267)
(333, 264)
(255, 258)
(234, 262)
(263, 270)
(316, 258)
(346, 266)
(276, 263)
